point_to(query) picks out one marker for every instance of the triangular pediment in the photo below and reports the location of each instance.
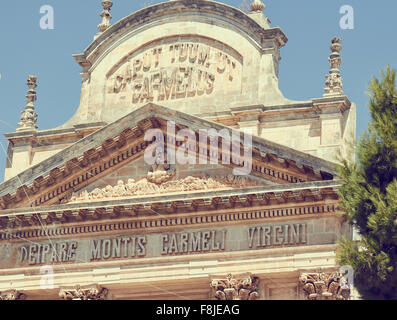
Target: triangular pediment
(97, 161)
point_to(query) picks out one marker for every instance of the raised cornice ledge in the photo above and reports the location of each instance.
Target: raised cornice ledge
(169, 198)
(238, 17)
(57, 131)
(342, 102)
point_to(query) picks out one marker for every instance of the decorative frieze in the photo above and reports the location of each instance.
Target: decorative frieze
(239, 288)
(34, 223)
(146, 187)
(324, 286)
(95, 292)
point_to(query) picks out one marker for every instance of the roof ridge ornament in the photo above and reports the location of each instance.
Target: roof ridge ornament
(333, 83)
(257, 5)
(106, 16)
(28, 116)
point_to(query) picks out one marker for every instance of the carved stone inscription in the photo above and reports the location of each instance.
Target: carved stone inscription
(48, 253)
(125, 247)
(172, 71)
(234, 238)
(190, 242)
(264, 236)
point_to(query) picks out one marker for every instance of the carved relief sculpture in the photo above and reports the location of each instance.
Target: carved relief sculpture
(84, 293)
(154, 184)
(324, 286)
(244, 288)
(161, 171)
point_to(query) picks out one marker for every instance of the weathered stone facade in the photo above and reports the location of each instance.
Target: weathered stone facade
(81, 200)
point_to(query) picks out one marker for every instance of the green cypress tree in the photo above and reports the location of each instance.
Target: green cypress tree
(369, 196)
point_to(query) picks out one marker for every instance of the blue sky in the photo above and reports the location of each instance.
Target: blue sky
(309, 25)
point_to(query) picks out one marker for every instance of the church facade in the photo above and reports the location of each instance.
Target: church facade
(184, 171)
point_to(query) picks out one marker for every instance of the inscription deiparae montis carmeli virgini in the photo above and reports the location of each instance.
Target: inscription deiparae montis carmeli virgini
(160, 245)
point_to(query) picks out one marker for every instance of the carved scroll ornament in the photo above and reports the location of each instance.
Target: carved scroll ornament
(12, 295)
(84, 293)
(244, 288)
(324, 286)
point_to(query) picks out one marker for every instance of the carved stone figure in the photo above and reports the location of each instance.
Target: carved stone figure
(119, 190)
(161, 171)
(244, 288)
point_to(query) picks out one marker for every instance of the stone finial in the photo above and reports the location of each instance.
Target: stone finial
(28, 116)
(257, 5)
(333, 84)
(106, 16)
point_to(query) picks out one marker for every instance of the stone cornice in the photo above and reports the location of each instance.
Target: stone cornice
(162, 223)
(197, 209)
(44, 137)
(301, 109)
(341, 103)
(99, 228)
(169, 198)
(56, 131)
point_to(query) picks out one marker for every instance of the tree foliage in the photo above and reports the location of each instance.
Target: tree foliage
(369, 196)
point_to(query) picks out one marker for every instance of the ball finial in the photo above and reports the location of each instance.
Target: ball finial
(257, 5)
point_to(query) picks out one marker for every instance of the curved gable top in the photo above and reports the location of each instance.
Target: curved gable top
(167, 11)
(195, 56)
